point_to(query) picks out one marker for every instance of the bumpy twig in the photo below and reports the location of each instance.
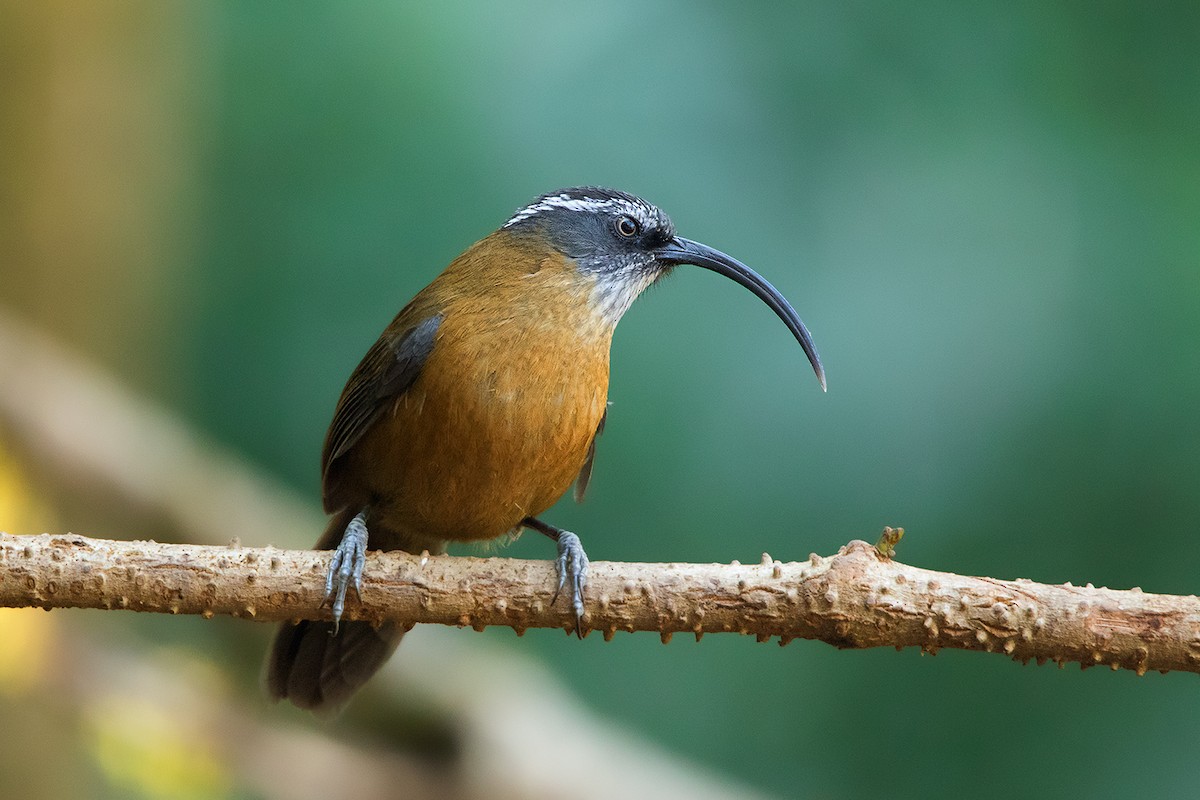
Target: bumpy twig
(857, 598)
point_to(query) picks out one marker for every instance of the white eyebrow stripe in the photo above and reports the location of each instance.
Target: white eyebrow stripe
(568, 203)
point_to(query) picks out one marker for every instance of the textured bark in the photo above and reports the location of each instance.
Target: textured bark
(855, 599)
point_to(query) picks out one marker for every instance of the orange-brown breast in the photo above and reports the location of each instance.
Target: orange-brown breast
(498, 423)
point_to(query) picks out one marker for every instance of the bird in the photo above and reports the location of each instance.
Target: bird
(478, 408)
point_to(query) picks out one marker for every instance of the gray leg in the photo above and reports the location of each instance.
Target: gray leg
(346, 567)
(572, 564)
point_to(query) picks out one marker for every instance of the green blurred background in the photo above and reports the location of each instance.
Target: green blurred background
(985, 213)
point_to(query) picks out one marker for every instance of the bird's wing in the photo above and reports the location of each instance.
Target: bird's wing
(585, 474)
(388, 369)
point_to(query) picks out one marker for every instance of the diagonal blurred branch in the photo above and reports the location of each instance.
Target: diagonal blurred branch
(854, 599)
(88, 428)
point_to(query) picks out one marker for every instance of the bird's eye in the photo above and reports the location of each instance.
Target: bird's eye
(628, 227)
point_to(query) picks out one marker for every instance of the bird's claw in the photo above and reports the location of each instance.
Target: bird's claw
(572, 564)
(346, 568)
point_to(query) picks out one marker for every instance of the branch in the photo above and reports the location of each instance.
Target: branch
(855, 599)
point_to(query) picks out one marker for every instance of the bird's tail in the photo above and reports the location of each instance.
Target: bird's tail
(318, 669)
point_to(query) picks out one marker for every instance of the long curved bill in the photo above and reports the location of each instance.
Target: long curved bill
(685, 251)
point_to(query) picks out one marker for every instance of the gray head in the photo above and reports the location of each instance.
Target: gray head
(626, 244)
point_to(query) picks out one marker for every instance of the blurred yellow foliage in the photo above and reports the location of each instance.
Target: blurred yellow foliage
(151, 753)
(21, 511)
(26, 639)
(26, 634)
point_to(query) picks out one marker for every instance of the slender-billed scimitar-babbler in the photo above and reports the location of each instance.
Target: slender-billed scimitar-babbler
(480, 405)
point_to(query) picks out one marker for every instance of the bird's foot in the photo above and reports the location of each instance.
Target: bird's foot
(573, 567)
(346, 567)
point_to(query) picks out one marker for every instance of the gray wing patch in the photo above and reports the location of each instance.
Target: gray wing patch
(411, 352)
(388, 369)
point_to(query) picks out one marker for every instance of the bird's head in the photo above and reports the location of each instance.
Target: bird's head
(625, 244)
